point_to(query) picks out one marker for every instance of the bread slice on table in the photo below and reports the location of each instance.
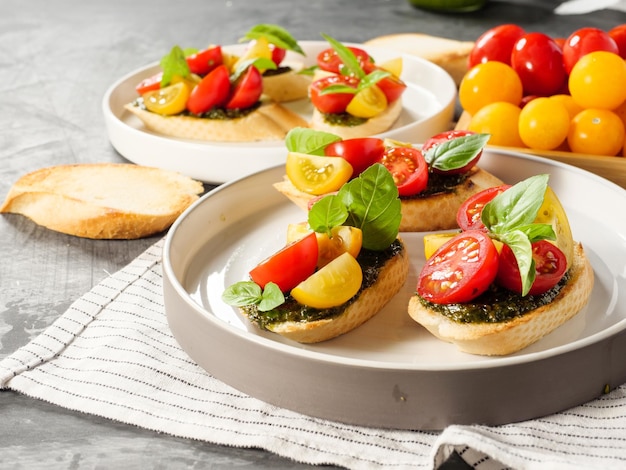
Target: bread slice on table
(419, 214)
(271, 121)
(498, 339)
(449, 54)
(102, 200)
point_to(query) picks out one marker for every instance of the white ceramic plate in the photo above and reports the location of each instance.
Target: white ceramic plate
(391, 372)
(428, 109)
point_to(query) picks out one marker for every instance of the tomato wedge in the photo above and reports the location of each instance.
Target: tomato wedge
(212, 91)
(444, 137)
(332, 103)
(247, 91)
(361, 152)
(289, 266)
(317, 175)
(151, 83)
(169, 100)
(278, 54)
(408, 168)
(330, 61)
(550, 266)
(391, 86)
(203, 62)
(367, 103)
(468, 217)
(460, 270)
(333, 285)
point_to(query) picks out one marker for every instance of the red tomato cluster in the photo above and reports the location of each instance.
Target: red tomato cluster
(588, 67)
(465, 266)
(336, 103)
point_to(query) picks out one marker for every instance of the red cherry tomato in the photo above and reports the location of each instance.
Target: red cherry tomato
(444, 137)
(550, 266)
(460, 270)
(329, 60)
(495, 44)
(247, 91)
(149, 84)
(289, 266)
(212, 91)
(408, 168)
(586, 40)
(360, 152)
(278, 54)
(538, 60)
(618, 33)
(391, 86)
(468, 217)
(203, 62)
(332, 102)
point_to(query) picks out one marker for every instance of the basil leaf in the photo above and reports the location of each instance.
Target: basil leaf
(536, 232)
(515, 207)
(272, 297)
(373, 206)
(190, 51)
(455, 153)
(276, 35)
(327, 213)
(338, 88)
(372, 79)
(520, 245)
(348, 58)
(305, 140)
(245, 293)
(260, 63)
(172, 64)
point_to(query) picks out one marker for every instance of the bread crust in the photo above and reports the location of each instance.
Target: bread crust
(437, 212)
(269, 122)
(499, 339)
(102, 200)
(376, 125)
(371, 300)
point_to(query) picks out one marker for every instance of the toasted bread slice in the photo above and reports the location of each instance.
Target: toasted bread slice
(370, 301)
(102, 201)
(497, 339)
(420, 214)
(376, 125)
(449, 54)
(270, 121)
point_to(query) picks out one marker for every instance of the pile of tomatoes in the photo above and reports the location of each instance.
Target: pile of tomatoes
(528, 89)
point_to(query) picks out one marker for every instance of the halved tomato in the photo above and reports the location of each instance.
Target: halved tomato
(361, 152)
(460, 270)
(289, 266)
(550, 266)
(202, 62)
(408, 169)
(332, 103)
(393, 87)
(333, 285)
(468, 217)
(169, 100)
(247, 91)
(278, 54)
(317, 175)
(330, 61)
(151, 83)
(367, 103)
(343, 238)
(212, 91)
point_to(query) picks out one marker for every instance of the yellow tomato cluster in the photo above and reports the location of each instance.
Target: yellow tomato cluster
(590, 119)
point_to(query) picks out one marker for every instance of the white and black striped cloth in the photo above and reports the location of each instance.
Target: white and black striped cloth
(112, 354)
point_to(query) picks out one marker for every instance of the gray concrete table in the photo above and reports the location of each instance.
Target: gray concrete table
(57, 58)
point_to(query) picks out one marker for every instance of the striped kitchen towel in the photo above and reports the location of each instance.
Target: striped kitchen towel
(111, 354)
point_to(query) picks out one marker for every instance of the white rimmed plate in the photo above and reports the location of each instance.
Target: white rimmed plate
(391, 372)
(428, 109)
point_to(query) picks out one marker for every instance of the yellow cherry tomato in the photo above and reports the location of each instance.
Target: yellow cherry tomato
(315, 174)
(332, 285)
(367, 103)
(169, 100)
(596, 132)
(598, 80)
(489, 82)
(543, 124)
(500, 120)
(257, 49)
(342, 239)
(552, 212)
(393, 66)
(572, 107)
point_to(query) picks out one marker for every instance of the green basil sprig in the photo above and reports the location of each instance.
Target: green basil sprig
(262, 63)
(510, 216)
(274, 34)
(455, 153)
(173, 64)
(245, 293)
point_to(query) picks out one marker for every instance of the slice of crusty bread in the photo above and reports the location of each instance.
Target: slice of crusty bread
(376, 125)
(437, 212)
(497, 339)
(371, 300)
(102, 200)
(287, 86)
(270, 121)
(451, 55)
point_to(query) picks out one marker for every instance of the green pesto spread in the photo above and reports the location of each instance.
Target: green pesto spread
(495, 305)
(371, 263)
(214, 113)
(343, 119)
(440, 184)
(276, 71)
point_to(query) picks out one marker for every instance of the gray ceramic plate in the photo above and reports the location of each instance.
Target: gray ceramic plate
(391, 372)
